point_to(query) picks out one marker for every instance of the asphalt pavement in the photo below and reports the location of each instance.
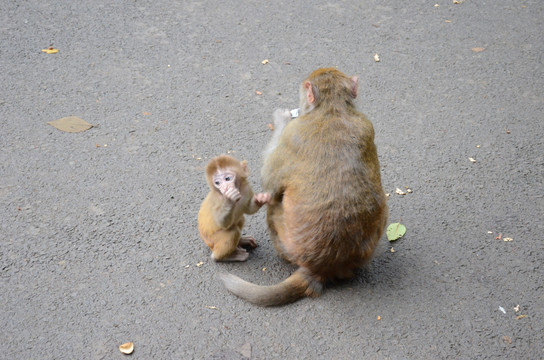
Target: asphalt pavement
(98, 235)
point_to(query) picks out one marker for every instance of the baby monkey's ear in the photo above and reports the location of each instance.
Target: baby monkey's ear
(243, 164)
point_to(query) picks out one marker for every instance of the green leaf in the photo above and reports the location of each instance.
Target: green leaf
(395, 231)
(71, 124)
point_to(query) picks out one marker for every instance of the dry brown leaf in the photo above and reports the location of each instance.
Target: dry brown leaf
(399, 192)
(71, 124)
(478, 49)
(127, 348)
(521, 317)
(507, 339)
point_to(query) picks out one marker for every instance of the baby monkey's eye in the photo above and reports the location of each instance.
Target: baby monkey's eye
(217, 182)
(228, 178)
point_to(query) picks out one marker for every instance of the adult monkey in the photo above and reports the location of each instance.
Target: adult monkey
(328, 209)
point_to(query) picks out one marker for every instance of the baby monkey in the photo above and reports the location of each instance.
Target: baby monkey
(221, 215)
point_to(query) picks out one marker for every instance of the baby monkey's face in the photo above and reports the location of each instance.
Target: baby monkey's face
(224, 180)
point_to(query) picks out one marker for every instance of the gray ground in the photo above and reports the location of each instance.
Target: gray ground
(98, 242)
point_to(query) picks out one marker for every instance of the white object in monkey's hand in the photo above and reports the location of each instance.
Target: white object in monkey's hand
(294, 113)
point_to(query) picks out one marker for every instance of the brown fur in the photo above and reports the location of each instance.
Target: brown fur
(220, 222)
(328, 208)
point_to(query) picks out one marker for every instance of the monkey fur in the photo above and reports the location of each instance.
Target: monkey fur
(328, 208)
(221, 215)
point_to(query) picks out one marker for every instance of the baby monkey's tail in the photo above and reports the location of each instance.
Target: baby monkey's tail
(301, 283)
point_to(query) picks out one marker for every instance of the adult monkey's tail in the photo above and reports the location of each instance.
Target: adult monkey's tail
(301, 283)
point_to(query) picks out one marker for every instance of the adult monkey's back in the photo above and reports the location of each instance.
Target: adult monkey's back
(328, 207)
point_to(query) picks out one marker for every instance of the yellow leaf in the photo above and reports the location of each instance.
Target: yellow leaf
(127, 348)
(50, 51)
(71, 124)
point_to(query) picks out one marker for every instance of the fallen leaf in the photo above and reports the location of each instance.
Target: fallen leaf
(499, 237)
(392, 250)
(436, 5)
(395, 231)
(376, 58)
(478, 49)
(399, 192)
(458, 1)
(264, 62)
(212, 307)
(516, 309)
(508, 239)
(379, 317)
(199, 264)
(71, 124)
(127, 348)
(258, 93)
(50, 50)
(521, 317)
(471, 160)
(264, 269)
(507, 339)
(245, 350)
(271, 126)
